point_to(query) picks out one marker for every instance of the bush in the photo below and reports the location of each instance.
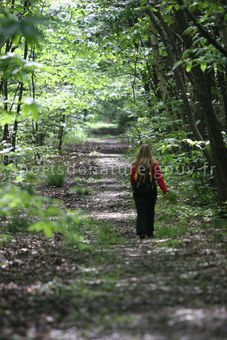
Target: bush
(18, 224)
(79, 190)
(76, 136)
(56, 175)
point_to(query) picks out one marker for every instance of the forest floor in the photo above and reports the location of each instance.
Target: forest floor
(170, 287)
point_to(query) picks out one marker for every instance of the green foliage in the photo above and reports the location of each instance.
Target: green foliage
(108, 236)
(5, 240)
(182, 162)
(79, 180)
(18, 223)
(44, 215)
(170, 244)
(47, 227)
(219, 223)
(105, 68)
(81, 186)
(218, 236)
(56, 175)
(13, 66)
(30, 108)
(172, 196)
(80, 190)
(83, 228)
(75, 136)
(98, 125)
(12, 26)
(75, 231)
(14, 201)
(171, 231)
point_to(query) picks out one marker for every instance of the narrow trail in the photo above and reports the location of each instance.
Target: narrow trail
(124, 291)
(111, 200)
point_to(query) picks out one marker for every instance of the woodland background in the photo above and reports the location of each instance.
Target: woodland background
(150, 71)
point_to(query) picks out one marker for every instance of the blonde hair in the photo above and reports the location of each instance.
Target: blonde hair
(144, 156)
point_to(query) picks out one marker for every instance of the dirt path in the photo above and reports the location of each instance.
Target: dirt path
(125, 290)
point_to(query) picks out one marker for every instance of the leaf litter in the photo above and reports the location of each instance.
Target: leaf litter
(125, 290)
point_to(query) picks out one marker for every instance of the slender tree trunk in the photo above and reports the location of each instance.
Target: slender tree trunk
(6, 126)
(21, 89)
(5, 137)
(148, 94)
(61, 133)
(222, 81)
(34, 125)
(5, 94)
(15, 126)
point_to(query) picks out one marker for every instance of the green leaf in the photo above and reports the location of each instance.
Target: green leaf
(178, 63)
(30, 107)
(54, 211)
(6, 118)
(35, 113)
(203, 66)
(143, 3)
(153, 9)
(47, 227)
(163, 149)
(188, 67)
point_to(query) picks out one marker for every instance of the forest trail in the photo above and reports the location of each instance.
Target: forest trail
(126, 290)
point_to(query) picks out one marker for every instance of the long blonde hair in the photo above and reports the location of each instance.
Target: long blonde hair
(144, 156)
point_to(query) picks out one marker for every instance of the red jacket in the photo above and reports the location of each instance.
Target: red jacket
(156, 173)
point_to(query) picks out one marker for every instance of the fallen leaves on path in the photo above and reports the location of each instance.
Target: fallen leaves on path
(131, 290)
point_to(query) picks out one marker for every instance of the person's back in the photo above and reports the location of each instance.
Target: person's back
(143, 179)
(145, 171)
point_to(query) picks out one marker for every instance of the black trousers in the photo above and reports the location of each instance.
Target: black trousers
(145, 206)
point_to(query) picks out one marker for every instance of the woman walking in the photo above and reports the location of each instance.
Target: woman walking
(144, 174)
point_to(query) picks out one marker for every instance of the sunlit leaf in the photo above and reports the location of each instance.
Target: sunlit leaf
(203, 66)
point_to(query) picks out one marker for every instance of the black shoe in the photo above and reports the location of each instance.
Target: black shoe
(142, 237)
(150, 235)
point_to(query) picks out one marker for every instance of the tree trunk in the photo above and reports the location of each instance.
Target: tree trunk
(179, 81)
(222, 81)
(6, 126)
(5, 94)
(61, 133)
(158, 70)
(5, 137)
(217, 144)
(21, 89)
